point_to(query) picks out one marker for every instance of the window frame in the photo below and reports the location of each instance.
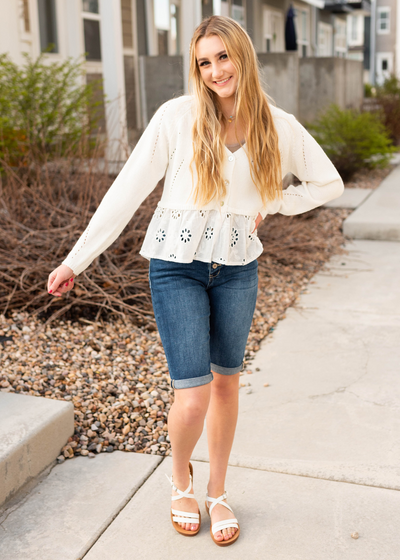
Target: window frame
(56, 51)
(383, 10)
(337, 48)
(279, 43)
(302, 44)
(94, 17)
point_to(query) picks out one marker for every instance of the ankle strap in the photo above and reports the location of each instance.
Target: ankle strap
(219, 500)
(185, 493)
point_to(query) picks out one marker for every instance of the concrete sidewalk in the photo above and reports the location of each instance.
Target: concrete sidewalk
(316, 455)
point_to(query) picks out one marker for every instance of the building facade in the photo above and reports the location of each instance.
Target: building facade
(133, 46)
(387, 39)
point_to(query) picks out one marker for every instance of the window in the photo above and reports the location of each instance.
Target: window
(91, 29)
(384, 66)
(90, 6)
(340, 37)
(273, 30)
(383, 21)
(175, 38)
(236, 9)
(324, 39)
(354, 28)
(48, 25)
(302, 24)
(162, 24)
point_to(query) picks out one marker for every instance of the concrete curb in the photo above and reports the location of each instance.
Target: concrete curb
(33, 430)
(378, 218)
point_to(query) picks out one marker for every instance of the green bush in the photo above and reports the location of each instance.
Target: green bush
(352, 139)
(45, 109)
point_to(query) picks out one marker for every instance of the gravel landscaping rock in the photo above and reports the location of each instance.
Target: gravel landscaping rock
(115, 372)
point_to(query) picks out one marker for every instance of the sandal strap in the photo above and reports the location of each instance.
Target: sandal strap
(220, 525)
(181, 494)
(188, 517)
(219, 500)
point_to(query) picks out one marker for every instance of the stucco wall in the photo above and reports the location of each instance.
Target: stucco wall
(280, 78)
(161, 78)
(328, 80)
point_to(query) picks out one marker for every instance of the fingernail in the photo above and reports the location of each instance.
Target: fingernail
(72, 279)
(66, 283)
(50, 291)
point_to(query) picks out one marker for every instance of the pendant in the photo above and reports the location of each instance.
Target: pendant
(230, 119)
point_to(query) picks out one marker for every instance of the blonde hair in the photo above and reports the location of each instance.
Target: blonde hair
(251, 105)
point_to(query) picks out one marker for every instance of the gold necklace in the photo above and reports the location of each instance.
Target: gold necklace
(230, 118)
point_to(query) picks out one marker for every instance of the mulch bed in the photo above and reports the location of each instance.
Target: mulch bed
(369, 178)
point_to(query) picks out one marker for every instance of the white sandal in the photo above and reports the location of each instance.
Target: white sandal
(183, 516)
(220, 525)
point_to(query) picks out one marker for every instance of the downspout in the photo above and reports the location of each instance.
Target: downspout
(372, 74)
(314, 25)
(398, 39)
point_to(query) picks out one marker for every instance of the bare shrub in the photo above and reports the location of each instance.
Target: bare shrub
(42, 216)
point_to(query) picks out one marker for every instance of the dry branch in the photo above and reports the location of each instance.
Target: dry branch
(42, 215)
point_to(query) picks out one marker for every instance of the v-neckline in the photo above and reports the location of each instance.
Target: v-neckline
(238, 150)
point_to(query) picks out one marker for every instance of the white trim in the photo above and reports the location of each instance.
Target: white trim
(317, 3)
(301, 9)
(189, 20)
(113, 79)
(340, 24)
(325, 29)
(372, 60)
(397, 47)
(273, 16)
(382, 74)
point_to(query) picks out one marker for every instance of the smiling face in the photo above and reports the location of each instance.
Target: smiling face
(216, 69)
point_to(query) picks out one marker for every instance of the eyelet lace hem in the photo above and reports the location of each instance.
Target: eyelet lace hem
(204, 235)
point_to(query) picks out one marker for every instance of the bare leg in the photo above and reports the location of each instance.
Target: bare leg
(185, 425)
(221, 424)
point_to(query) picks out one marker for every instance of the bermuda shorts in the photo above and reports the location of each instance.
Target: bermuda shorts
(203, 313)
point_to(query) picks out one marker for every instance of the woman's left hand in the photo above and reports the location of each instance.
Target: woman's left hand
(258, 221)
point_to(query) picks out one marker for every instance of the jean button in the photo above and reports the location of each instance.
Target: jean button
(214, 266)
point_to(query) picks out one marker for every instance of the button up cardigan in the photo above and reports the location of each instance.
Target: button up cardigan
(165, 149)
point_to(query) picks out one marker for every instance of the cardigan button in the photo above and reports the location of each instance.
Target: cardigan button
(231, 158)
(222, 203)
(226, 182)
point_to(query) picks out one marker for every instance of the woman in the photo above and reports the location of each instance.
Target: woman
(223, 151)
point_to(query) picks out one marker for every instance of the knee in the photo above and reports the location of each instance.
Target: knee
(225, 387)
(191, 407)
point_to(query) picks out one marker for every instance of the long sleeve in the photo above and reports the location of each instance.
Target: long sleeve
(138, 178)
(304, 157)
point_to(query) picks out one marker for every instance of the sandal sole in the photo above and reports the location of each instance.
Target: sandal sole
(223, 543)
(180, 529)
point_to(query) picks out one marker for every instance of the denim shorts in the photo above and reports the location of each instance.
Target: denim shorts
(203, 313)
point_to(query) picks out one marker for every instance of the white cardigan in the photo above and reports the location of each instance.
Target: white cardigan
(165, 148)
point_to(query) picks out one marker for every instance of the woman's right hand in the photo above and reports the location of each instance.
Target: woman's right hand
(61, 280)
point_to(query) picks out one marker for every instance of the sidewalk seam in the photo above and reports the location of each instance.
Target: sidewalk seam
(303, 475)
(104, 529)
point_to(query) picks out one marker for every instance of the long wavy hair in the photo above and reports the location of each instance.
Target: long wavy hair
(251, 105)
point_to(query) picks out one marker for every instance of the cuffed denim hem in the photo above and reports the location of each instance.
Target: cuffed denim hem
(226, 370)
(192, 382)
